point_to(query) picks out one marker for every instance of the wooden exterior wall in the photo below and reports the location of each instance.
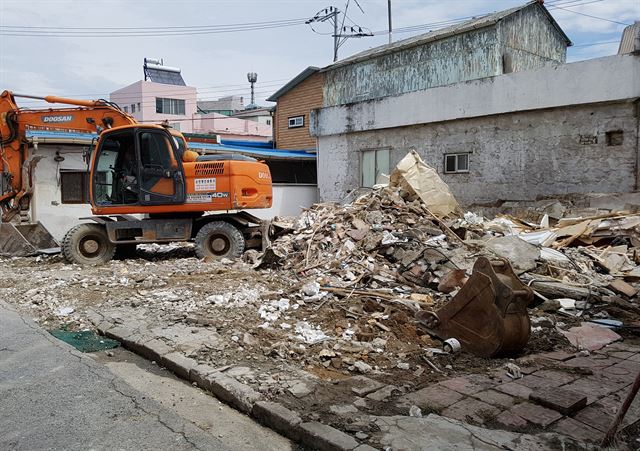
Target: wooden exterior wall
(298, 102)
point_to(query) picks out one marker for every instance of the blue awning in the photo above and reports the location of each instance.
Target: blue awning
(255, 149)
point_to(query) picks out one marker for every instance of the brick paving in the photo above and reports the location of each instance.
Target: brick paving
(549, 397)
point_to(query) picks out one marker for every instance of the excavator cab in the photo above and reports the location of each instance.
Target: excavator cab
(137, 165)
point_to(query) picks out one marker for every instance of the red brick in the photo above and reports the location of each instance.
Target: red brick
(471, 410)
(564, 401)
(594, 388)
(577, 430)
(560, 377)
(621, 354)
(536, 414)
(468, 385)
(533, 381)
(434, 397)
(511, 421)
(495, 398)
(556, 355)
(596, 416)
(590, 362)
(515, 389)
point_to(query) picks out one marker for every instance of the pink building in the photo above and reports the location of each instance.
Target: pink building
(163, 95)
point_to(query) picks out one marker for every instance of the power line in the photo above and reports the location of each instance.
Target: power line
(143, 33)
(593, 17)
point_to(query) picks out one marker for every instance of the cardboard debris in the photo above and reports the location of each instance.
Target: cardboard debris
(415, 177)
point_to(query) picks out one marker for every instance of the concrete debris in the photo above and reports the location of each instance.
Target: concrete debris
(328, 311)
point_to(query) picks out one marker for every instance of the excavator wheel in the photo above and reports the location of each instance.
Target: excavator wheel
(87, 244)
(219, 240)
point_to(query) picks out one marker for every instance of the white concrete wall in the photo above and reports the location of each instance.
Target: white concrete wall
(597, 80)
(46, 206)
(289, 200)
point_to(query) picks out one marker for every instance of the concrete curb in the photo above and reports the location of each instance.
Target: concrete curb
(274, 415)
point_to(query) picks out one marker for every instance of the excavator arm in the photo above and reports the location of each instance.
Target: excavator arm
(16, 162)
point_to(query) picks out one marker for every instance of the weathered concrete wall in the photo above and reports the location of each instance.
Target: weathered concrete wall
(457, 58)
(528, 40)
(524, 40)
(585, 82)
(512, 156)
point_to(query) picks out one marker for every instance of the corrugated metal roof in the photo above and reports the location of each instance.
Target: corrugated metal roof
(473, 24)
(302, 76)
(629, 37)
(243, 147)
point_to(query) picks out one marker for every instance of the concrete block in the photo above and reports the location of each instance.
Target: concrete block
(325, 438)
(154, 350)
(119, 333)
(559, 399)
(103, 327)
(178, 363)
(199, 374)
(365, 448)
(496, 398)
(135, 343)
(278, 418)
(233, 392)
(362, 385)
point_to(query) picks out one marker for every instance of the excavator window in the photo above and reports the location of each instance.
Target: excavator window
(137, 166)
(116, 170)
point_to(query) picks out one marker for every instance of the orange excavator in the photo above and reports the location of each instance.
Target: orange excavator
(135, 169)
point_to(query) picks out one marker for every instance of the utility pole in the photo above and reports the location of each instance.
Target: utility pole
(390, 26)
(340, 32)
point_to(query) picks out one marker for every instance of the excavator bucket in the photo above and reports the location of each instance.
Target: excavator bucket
(22, 240)
(489, 314)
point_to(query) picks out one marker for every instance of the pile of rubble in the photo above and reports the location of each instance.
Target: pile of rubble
(389, 250)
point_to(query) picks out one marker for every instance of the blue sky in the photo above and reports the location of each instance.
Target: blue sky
(217, 63)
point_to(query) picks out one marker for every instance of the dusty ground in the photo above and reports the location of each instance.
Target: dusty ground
(311, 352)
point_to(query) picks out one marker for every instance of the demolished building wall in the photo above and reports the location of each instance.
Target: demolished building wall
(562, 129)
(515, 156)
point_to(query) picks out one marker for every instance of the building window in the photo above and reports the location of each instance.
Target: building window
(139, 107)
(373, 164)
(74, 187)
(170, 106)
(455, 163)
(126, 109)
(297, 121)
(615, 138)
(268, 121)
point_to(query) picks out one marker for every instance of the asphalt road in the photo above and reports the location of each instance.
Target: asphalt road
(53, 397)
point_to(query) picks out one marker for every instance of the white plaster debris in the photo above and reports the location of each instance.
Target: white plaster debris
(235, 299)
(309, 334)
(272, 311)
(65, 311)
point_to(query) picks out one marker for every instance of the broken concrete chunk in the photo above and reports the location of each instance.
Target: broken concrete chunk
(590, 336)
(521, 254)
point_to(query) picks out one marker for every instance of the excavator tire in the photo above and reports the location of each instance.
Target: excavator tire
(219, 240)
(87, 244)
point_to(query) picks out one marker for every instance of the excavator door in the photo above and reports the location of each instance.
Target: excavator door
(137, 166)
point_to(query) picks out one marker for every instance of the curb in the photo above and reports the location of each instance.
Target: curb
(242, 397)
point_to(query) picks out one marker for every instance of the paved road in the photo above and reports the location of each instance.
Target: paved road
(53, 397)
